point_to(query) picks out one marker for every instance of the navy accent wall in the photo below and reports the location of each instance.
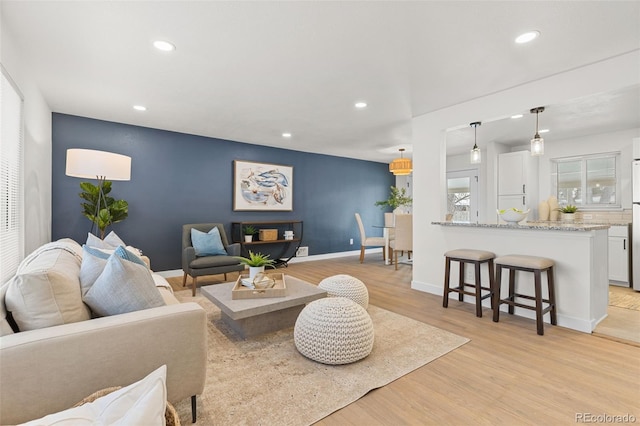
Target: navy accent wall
(178, 178)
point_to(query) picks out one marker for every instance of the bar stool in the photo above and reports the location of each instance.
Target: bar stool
(534, 264)
(476, 258)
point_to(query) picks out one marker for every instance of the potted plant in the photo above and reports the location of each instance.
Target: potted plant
(249, 232)
(397, 198)
(108, 212)
(256, 262)
(568, 213)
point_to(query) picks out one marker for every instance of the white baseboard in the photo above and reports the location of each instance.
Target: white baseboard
(178, 272)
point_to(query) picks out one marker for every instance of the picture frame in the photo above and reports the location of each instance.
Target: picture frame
(262, 186)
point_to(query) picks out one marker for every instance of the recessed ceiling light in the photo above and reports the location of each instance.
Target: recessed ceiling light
(286, 135)
(165, 46)
(517, 116)
(543, 131)
(140, 108)
(361, 104)
(527, 37)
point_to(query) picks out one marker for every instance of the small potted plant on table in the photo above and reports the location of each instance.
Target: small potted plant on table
(249, 232)
(256, 263)
(568, 213)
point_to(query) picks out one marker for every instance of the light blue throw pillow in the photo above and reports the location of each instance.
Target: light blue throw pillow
(122, 287)
(207, 244)
(125, 254)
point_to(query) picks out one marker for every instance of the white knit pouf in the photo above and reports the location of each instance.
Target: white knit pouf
(346, 286)
(334, 330)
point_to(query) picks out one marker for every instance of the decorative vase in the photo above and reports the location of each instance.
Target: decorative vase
(554, 214)
(255, 270)
(543, 211)
(568, 217)
(248, 238)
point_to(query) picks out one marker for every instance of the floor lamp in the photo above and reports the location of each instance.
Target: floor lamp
(101, 165)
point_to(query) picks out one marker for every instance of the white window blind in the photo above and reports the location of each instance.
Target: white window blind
(11, 141)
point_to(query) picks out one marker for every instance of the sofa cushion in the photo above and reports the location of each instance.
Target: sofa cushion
(46, 288)
(142, 402)
(207, 243)
(122, 287)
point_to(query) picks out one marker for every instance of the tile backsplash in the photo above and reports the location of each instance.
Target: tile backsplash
(618, 216)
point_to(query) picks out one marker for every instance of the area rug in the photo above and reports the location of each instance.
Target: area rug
(624, 298)
(265, 381)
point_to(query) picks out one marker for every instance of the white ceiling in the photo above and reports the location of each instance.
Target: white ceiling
(248, 71)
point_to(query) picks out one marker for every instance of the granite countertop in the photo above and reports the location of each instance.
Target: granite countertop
(543, 226)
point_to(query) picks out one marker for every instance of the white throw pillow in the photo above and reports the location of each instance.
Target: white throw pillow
(46, 290)
(142, 403)
(113, 240)
(93, 241)
(122, 287)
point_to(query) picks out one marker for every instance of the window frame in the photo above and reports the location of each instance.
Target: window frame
(617, 155)
(12, 236)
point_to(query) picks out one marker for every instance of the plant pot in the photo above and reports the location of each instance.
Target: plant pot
(255, 270)
(248, 238)
(567, 217)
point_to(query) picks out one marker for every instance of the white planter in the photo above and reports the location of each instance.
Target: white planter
(255, 270)
(567, 217)
(248, 238)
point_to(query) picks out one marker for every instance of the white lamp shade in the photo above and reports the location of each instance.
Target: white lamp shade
(90, 163)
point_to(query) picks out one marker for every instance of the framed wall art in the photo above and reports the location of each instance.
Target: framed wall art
(262, 186)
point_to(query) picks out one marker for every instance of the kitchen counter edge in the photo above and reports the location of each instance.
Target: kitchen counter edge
(541, 226)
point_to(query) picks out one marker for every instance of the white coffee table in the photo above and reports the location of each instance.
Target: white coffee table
(252, 317)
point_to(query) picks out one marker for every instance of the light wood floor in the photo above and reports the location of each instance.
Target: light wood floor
(506, 374)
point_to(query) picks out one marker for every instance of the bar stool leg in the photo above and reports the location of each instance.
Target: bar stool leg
(447, 269)
(492, 284)
(496, 293)
(461, 280)
(552, 295)
(512, 289)
(539, 320)
(478, 291)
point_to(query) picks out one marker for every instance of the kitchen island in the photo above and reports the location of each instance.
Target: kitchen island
(579, 250)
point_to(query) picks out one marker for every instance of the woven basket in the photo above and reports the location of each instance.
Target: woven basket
(170, 414)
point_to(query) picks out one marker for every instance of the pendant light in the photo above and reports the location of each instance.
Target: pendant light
(401, 166)
(476, 154)
(537, 143)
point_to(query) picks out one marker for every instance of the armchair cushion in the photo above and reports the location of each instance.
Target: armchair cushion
(213, 261)
(207, 244)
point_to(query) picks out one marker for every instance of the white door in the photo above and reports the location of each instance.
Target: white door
(462, 195)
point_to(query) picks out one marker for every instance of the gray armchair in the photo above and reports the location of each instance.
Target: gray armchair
(207, 265)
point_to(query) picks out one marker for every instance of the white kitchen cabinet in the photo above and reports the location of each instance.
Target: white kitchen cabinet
(619, 255)
(518, 182)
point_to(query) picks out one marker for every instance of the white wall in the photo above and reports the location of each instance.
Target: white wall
(37, 145)
(429, 145)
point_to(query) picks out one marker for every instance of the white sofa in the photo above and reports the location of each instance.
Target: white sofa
(65, 355)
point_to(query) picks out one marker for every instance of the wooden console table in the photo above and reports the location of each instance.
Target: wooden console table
(285, 249)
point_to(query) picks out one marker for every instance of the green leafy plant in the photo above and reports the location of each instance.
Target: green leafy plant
(250, 230)
(110, 210)
(397, 198)
(569, 208)
(257, 259)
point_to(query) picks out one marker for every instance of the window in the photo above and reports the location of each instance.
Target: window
(11, 233)
(591, 182)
